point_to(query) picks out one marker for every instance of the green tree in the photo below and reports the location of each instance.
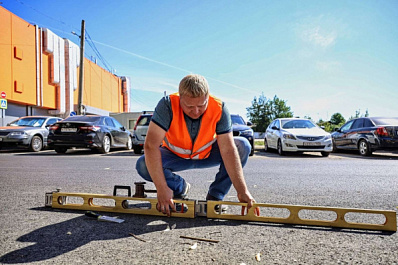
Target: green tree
(358, 114)
(263, 111)
(337, 119)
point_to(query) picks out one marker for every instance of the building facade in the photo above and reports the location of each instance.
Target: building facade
(39, 75)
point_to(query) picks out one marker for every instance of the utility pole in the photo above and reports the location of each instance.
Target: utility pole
(80, 110)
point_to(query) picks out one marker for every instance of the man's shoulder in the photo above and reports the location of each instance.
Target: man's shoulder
(162, 114)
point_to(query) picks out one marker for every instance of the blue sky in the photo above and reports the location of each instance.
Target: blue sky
(322, 57)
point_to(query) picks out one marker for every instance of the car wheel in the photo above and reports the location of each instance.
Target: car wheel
(265, 145)
(60, 150)
(280, 148)
(252, 151)
(129, 144)
(325, 154)
(36, 144)
(137, 149)
(106, 145)
(364, 148)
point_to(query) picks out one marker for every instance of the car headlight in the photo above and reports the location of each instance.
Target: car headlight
(289, 136)
(247, 132)
(328, 137)
(17, 133)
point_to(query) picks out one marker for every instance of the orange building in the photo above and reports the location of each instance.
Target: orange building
(39, 75)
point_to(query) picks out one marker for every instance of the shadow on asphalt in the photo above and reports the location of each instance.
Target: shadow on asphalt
(57, 239)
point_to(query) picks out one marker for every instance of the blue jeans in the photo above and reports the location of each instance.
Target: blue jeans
(173, 163)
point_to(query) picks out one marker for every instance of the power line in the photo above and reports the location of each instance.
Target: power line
(43, 14)
(100, 57)
(89, 40)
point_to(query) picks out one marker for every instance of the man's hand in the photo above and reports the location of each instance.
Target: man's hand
(248, 198)
(165, 201)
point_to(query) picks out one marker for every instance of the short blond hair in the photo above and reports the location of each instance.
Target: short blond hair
(193, 85)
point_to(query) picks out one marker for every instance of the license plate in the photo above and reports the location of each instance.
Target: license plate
(1, 139)
(311, 143)
(68, 129)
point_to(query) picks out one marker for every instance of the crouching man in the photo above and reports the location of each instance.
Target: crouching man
(193, 130)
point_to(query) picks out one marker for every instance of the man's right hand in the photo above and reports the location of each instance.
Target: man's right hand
(165, 201)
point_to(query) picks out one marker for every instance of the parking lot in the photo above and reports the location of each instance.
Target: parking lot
(32, 233)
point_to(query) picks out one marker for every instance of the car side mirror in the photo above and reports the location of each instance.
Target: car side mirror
(337, 130)
(249, 123)
(274, 128)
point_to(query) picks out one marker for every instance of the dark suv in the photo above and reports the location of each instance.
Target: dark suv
(241, 128)
(140, 131)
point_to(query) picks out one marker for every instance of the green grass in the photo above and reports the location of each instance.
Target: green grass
(259, 142)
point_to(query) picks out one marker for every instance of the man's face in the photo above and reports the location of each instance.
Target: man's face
(194, 107)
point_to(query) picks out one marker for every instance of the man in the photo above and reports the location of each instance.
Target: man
(194, 130)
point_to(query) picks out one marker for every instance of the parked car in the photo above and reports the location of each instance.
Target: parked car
(140, 131)
(89, 131)
(29, 131)
(241, 128)
(367, 135)
(297, 135)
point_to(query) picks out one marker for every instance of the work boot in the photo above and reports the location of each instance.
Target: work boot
(224, 208)
(180, 207)
(184, 193)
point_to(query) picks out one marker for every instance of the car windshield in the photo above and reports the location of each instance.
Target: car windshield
(237, 120)
(144, 121)
(297, 124)
(32, 122)
(83, 118)
(385, 121)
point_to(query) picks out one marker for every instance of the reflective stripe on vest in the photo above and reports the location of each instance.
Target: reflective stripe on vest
(178, 139)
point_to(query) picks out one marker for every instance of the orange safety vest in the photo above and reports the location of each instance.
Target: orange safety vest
(177, 137)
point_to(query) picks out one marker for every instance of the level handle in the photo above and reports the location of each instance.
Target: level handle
(120, 187)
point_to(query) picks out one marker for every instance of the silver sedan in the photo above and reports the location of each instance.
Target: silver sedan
(297, 135)
(29, 131)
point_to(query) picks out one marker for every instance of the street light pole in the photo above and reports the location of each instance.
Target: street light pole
(80, 110)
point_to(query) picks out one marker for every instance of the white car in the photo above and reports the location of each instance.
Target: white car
(297, 135)
(140, 131)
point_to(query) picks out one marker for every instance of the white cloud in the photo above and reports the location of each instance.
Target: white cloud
(319, 37)
(322, 31)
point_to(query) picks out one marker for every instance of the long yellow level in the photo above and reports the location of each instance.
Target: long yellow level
(381, 220)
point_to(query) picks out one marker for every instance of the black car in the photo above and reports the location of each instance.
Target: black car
(241, 128)
(367, 134)
(90, 131)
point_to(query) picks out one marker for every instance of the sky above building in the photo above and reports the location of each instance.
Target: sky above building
(321, 57)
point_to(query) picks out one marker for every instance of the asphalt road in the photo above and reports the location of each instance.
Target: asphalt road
(32, 233)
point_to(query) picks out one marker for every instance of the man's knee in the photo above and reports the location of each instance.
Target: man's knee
(141, 168)
(243, 145)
